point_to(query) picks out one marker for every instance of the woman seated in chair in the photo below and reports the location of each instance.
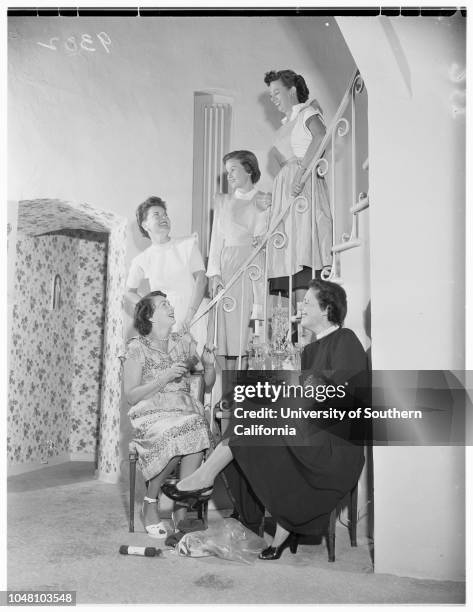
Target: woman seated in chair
(169, 423)
(300, 484)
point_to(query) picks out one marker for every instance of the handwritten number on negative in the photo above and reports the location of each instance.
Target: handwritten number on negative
(51, 44)
(86, 43)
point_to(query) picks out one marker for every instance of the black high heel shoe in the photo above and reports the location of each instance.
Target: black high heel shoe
(191, 499)
(274, 552)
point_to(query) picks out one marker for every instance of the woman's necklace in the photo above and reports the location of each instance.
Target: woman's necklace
(160, 343)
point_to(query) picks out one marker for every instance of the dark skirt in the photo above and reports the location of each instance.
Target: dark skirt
(301, 485)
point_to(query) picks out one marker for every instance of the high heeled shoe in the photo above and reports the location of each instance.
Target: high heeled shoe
(274, 552)
(191, 498)
(157, 530)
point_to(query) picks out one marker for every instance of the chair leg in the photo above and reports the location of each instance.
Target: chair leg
(352, 514)
(202, 513)
(331, 535)
(131, 528)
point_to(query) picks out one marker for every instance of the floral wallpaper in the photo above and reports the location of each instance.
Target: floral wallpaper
(88, 341)
(28, 425)
(109, 449)
(40, 368)
(41, 216)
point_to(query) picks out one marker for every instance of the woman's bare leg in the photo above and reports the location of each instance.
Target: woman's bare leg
(189, 464)
(205, 475)
(151, 511)
(280, 536)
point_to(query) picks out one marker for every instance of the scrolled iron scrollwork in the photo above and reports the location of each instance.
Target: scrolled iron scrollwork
(301, 205)
(278, 239)
(342, 126)
(228, 303)
(358, 84)
(254, 272)
(328, 272)
(321, 166)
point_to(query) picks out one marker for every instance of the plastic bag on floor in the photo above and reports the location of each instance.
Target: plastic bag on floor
(227, 539)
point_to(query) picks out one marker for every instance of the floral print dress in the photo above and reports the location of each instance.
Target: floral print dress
(170, 423)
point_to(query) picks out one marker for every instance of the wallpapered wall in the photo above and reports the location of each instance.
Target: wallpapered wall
(55, 363)
(88, 343)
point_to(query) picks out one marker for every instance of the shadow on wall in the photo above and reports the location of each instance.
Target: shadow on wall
(321, 40)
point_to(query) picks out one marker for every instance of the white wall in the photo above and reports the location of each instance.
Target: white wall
(113, 128)
(417, 174)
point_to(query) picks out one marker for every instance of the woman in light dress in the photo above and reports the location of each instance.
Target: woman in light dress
(168, 422)
(296, 143)
(240, 220)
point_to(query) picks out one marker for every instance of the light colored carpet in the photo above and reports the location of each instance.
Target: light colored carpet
(65, 529)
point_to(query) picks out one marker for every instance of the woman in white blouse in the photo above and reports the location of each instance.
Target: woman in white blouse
(296, 143)
(240, 217)
(172, 265)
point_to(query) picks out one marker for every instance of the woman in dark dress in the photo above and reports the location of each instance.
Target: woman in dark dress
(300, 484)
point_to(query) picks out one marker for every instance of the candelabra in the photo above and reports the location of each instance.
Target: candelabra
(280, 353)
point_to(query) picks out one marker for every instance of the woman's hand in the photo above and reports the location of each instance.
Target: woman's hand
(263, 201)
(177, 370)
(216, 285)
(297, 184)
(184, 327)
(257, 240)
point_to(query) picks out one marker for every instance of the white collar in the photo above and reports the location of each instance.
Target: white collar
(296, 109)
(245, 195)
(327, 331)
(161, 245)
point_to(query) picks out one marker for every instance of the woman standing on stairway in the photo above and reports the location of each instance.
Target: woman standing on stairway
(295, 145)
(240, 219)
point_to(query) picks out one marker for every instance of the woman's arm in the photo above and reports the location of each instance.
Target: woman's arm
(208, 361)
(135, 391)
(198, 293)
(197, 267)
(317, 130)
(135, 276)
(278, 158)
(216, 246)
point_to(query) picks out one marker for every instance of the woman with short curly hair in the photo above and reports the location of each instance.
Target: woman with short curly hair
(168, 422)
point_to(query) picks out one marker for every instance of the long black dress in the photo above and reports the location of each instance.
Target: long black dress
(301, 485)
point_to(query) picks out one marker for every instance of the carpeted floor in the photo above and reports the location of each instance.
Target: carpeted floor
(65, 529)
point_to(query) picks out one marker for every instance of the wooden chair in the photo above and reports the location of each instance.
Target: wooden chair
(352, 523)
(221, 414)
(197, 390)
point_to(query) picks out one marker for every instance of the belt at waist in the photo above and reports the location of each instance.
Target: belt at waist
(293, 159)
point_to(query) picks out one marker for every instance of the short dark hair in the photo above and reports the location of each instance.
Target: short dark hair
(142, 211)
(249, 162)
(144, 310)
(289, 79)
(332, 297)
